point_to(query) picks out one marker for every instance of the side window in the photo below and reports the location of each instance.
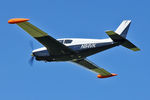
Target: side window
(68, 41)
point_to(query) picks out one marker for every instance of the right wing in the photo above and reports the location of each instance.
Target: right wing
(54, 47)
(91, 66)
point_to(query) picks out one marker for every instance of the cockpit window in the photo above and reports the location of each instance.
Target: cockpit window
(67, 41)
(61, 41)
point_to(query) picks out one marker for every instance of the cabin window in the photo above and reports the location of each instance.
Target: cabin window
(68, 41)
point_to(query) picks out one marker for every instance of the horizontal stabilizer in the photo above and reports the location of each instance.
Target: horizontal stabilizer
(130, 46)
(124, 42)
(114, 36)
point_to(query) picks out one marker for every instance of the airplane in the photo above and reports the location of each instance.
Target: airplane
(75, 50)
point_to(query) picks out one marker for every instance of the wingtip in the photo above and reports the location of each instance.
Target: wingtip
(136, 49)
(17, 20)
(112, 74)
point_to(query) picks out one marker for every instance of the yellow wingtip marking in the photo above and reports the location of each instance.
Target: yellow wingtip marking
(110, 32)
(135, 49)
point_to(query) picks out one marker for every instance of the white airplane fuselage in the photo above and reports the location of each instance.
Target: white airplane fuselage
(82, 47)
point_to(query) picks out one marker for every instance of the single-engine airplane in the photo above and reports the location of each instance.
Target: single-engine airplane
(76, 50)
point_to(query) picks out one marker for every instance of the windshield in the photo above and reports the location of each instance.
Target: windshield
(61, 41)
(67, 41)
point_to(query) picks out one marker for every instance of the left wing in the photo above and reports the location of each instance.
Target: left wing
(54, 47)
(91, 66)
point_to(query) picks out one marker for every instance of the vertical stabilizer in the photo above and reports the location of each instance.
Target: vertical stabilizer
(123, 28)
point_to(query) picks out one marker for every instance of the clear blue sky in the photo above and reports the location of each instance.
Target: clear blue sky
(66, 81)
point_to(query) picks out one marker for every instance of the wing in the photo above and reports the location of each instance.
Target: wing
(54, 47)
(91, 66)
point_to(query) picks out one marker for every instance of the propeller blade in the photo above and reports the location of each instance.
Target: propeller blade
(31, 60)
(31, 45)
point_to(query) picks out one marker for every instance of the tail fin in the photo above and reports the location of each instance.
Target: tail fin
(120, 35)
(123, 28)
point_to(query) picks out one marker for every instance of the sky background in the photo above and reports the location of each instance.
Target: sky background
(74, 19)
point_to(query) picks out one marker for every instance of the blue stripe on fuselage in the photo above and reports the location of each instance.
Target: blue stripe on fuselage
(79, 47)
(88, 46)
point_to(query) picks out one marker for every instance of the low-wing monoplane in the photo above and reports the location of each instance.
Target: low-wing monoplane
(76, 50)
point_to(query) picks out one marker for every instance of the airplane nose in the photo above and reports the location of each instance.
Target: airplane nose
(33, 54)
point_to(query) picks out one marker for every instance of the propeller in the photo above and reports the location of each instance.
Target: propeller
(31, 45)
(31, 60)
